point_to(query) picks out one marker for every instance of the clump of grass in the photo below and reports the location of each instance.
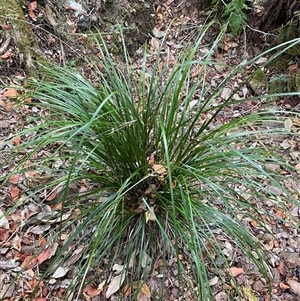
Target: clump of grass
(164, 178)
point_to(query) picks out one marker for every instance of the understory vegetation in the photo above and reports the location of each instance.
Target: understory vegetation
(234, 12)
(165, 176)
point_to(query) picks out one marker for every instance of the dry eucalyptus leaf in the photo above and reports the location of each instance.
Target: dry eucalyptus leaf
(132, 260)
(61, 218)
(16, 243)
(39, 229)
(285, 144)
(44, 255)
(115, 285)
(159, 169)
(288, 123)
(213, 281)
(155, 44)
(75, 257)
(8, 264)
(226, 93)
(158, 33)
(261, 60)
(3, 221)
(192, 103)
(60, 272)
(149, 215)
(118, 267)
(145, 260)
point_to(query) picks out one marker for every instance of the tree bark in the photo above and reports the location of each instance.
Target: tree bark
(13, 19)
(270, 15)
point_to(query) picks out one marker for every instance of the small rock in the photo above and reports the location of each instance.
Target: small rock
(258, 286)
(274, 190)
(295, 286)
(292, 259)
(213, 281)
(276, 276)
(156, 286)
(221, 297)
(273, 166)
(158, 33)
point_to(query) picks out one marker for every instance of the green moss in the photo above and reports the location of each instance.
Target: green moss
(258, 80)
(13, 16)
(286, 33)
(283, 81)
(259, 77)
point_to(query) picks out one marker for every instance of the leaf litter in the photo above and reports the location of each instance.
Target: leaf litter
(21, 232)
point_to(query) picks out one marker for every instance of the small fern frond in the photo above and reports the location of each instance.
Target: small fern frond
(236, 17)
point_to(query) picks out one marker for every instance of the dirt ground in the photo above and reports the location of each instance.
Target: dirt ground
(69, 43)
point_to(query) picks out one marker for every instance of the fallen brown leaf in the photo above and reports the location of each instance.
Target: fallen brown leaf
(14, 193)
(126, 289)
(44, 255)
(32, 6)
(34, 283)
(8, 106)
(16, 243)
(236, 271)
(254, 224)
(151, 159)
(42, 241)
(4, 234)
(160, 169)
(280, 268)
(5, 27)
(283, 286)
(17, 140)
(52, 195)
(267, 298)
(197, 71)
(14, 179)
(144, 293)
(91, 291)
(29, 262)
(6, 55)
(10, 93)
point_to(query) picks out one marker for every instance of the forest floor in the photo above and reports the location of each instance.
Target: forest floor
(18, 240)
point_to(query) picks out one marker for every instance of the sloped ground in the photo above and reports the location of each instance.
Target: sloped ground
(26, 228)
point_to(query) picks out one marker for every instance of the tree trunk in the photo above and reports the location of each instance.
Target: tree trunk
(269, 16)
(12, 19)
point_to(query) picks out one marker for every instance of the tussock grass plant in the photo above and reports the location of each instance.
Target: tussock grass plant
(165, 179)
